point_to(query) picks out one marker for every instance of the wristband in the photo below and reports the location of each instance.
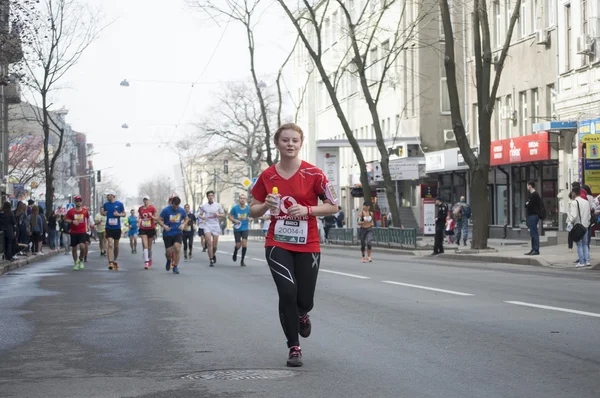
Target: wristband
(309, 210)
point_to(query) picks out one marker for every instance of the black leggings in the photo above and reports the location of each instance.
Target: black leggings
(366, 236)
(188, 240)
(295, 275)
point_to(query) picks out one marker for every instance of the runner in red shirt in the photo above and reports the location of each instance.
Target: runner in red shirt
(78, 217)
(292, 244)
(147, 229)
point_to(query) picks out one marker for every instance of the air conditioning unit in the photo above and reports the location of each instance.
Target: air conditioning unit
(585, 45)
(542, 37)
(449, 136)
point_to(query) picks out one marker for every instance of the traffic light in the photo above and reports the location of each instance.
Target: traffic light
(99, 177)
(225, 167)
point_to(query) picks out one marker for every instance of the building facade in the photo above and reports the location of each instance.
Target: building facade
(413, 107)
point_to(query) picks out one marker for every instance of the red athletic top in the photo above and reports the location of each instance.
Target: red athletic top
(146, 220)
(306, 187)
(82, 216)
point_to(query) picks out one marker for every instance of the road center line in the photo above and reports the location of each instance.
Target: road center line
(429, 288)
(344, 274)
(258, 259)
(547, 307)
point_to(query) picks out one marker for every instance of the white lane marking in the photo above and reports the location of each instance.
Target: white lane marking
(429, 288)
(258, 259)
(222, 252)
(547, 307)
(344, 274)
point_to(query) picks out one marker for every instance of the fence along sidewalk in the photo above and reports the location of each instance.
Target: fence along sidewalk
(390, 237)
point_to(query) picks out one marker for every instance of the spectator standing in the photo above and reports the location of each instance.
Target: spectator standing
(570, 206)
(52, 236)
(580, 213)
(328, 223)
(8, 225)
(534, 208)
(440, 224)
(461, 212)
(340, 218)
(37, 229)
(23, 227)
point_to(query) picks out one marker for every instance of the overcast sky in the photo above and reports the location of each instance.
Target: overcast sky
(152, 41)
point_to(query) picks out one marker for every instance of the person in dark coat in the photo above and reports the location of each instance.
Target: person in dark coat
(440, 226)
(8, 225)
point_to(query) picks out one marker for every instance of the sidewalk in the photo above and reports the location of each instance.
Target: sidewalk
(502, 251)
(7, 266)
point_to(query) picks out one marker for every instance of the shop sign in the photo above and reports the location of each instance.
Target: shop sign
(428, 216)
(592, 143)
(529, 148)
(399, 170)
(460, 160)
(588, 127)
(435, 161)
(592, 178)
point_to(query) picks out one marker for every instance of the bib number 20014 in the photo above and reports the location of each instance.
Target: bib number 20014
(291, 231)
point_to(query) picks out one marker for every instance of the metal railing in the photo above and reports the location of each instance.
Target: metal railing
(391, 237)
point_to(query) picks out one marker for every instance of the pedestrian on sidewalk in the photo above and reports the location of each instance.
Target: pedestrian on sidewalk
(366, 223)
(37, 229)
(570, 206)
(440, 224)
(580, 214)
(8, 225)
(533, 207)
(450, 226)
(461, 212)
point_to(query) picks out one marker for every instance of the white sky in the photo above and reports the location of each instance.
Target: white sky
(159, 40)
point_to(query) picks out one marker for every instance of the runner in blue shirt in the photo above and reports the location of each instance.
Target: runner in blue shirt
(113, 210)
(173, 219)
(133, 233)
(240, 216)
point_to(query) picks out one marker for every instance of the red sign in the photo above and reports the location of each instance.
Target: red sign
(528, 148)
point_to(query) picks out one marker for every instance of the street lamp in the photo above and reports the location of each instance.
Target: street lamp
(262, 84)
(124, 126)
(124, 83)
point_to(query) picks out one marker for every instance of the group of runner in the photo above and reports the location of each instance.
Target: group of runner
(288, 191)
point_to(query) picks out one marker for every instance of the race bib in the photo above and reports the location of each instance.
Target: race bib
(113, 221)
(291, 231)
(175, 217)
(78, 217)
(242, 216)
(187, 228)
(237, 226)
(146, 223)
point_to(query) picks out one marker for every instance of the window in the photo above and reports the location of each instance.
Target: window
(362, 132)
(584, 28)
(523, 113)
(523, 15)
(497, 24)
(411, 107)
(389, 128)
(535, 15)
(498, 120)
(550, 107)
(568, 38)
(508, 116)
(383, 128)
(475, 129)
(334, 27)
(549, 7)
(372, 132)
(373, 66)
(444, 94)
(385, 48)
(397, 128)
(535, 110)
(405, 82)
(353, 83)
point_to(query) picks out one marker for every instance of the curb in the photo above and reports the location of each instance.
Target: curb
(537, 262)
(11, 266)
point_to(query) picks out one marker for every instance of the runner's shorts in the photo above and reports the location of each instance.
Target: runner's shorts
(150, 233)
(114, 233)
(133, 232)
(200, 231)
(239, 235)
(101, 235)
(214, 230)
(88, 238)
(171, 240)
(76, 239)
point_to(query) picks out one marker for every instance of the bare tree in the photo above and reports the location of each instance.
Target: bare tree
(237, 123)
(486, 94)
(60, 33)
(159, 189)
(189, 151)
(245, 12)
(25, 160)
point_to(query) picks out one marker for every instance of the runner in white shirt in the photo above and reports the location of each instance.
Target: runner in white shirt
(201, 231)
(210, 213)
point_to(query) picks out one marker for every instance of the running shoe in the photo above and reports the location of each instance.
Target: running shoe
(242, 264)
(146, 266)
(211, 264)
(295, 357)
(364, 260)
(85, 259)
(370, 260)
(175, 270)
(190, 256)
(185, 255)
(234, 256)
(110, 266)
(214, 258)
(305, 325)
(81, 264)
(168, 265)
(116, 266)
(76, 266)
(150, 263)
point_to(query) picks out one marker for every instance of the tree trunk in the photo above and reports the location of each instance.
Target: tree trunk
(480, 206)
(49, 194)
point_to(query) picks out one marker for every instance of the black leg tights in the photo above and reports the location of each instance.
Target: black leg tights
(295, 275)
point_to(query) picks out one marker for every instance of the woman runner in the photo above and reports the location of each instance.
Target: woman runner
(132, 220)
(292, 244)
(147, 213)
(366, 223)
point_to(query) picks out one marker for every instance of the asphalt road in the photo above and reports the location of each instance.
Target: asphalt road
(398, 327)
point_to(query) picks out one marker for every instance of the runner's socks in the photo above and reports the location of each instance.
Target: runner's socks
(243, 253)
(146, 258)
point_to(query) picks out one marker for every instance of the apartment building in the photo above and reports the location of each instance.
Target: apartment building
(413, 108)
(525, 136)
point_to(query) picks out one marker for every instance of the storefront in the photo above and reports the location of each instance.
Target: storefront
(589, 154)
(514, 162)
(451, 171)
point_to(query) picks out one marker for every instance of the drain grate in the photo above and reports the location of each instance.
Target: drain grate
(241, 374)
